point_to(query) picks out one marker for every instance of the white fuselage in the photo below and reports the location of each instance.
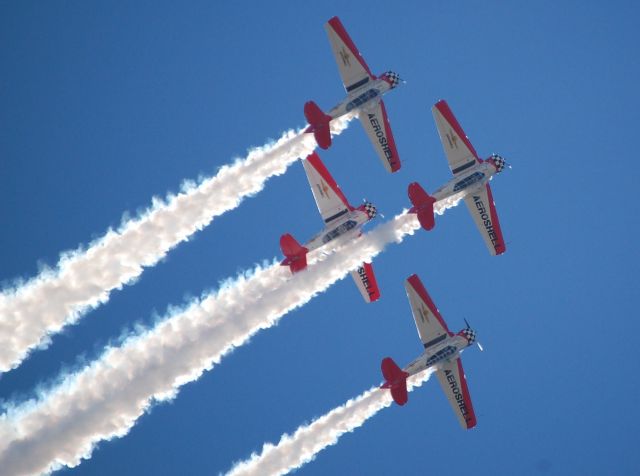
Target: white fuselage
(444, 351)
(367, 95)
(467, 182)
(347, 226)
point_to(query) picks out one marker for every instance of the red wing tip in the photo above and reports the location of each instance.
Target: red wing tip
(333, 20)
(442, 103)
(414, 280)
(313, 156)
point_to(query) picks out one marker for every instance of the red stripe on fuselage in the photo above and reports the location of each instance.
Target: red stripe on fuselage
(337, 26)
(444, 109)
(417, 285)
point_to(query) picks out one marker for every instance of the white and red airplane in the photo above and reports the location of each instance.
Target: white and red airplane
(471, 177)
(442, 350)
(342, 221)
(364, 95)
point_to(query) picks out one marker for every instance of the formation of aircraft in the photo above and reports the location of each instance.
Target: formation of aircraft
(341, 222)
(470, 182)
(364, 96)
(442, 350)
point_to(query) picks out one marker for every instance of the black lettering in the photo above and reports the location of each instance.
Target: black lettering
(365, 281)
(457, 394)
(377, 129)
(486, 220)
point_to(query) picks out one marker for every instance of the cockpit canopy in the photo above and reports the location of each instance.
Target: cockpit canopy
(392, 78)
(498, 161)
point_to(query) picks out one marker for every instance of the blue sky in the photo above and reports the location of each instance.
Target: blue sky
(105, 105)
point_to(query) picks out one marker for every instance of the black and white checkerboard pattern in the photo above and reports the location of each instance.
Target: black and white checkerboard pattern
(393, 78)
(469, 334)
(370, 209)
(499, 161)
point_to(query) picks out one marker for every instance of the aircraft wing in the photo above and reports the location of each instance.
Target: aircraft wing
(484, 214)
(366, 282)
(460, 153)
(431, 327)
(376, 124)
(454, 385)
(353, 69)
(332, 203)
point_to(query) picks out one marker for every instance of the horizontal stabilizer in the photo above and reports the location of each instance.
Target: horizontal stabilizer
(396, 380)
(296, 255)
(422, 205)
(318, 124)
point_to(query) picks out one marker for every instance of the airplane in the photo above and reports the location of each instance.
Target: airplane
(364, 95)
(442, 350)
(342, 221)
(471, 176)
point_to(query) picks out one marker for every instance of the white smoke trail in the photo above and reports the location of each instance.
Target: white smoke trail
(83, 279)
(293, 451)
(104, 400)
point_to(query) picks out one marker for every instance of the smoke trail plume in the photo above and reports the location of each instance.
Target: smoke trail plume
(293, 451)
(84, 278)
(104, 399)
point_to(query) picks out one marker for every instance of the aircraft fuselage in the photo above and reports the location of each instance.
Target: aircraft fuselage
(367, 95)
(347, 226)
(444, 351)
(468, 182)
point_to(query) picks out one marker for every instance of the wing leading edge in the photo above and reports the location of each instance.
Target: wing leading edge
(353, 69)
(460, 153)
(331, 202)
(431, 327)
(454, 384)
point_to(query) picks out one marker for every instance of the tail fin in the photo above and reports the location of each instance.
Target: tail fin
(296, 255)
(318, 124)
(396, 380)
(422, 205)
